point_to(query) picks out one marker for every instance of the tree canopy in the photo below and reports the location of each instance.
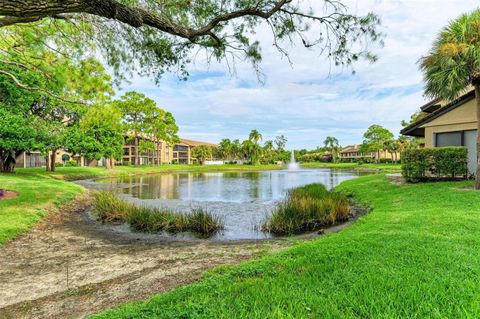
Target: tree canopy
(152, 37)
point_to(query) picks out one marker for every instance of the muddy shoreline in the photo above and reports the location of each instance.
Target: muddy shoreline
(72, 266)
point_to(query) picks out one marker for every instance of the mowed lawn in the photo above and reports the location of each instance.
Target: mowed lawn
(416, 255)
(385, 167)
(36, 195)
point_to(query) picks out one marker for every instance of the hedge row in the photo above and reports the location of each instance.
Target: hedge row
(424, 164)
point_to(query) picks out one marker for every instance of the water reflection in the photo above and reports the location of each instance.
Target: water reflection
(243, 199)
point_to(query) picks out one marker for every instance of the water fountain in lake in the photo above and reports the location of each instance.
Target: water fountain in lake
(293, 165)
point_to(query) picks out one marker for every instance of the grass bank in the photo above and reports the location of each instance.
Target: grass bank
(111, 209)
(416, 255)
(308, 208)
(394, 168)
(36, 196)
(75, 173)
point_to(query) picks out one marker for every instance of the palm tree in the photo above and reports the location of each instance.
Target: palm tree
(268, 151)
(331, 144)
(453, 65)
(255, 136)
(225, 149)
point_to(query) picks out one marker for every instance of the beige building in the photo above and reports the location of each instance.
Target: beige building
(449, 124)
(164, 153)
(352, 154)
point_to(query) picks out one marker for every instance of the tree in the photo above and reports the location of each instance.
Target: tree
(280, 142)
(202, 153)
(375, 138)
(331, 144)
(453, 64)
(269, 153)
(252, 151)
(255, 136)
(16, 136)
(225, 149)
(146, 123)
(99, 135)
(393, 147)
(158, 36)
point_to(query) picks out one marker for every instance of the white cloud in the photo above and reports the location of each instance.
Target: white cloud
(304, 103)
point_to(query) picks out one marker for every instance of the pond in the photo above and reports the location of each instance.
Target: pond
(242, 199)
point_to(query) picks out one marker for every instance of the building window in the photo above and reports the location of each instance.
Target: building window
(449, 139)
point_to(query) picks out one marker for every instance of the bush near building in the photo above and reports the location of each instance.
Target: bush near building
(419, 165)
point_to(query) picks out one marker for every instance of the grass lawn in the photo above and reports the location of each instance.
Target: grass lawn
(416, 255)
(372, 166)
(73, 173)
(35, 195)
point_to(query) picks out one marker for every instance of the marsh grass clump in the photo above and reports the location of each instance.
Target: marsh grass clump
(308, 208)
(111, 209)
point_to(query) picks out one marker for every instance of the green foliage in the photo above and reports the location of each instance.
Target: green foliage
(202, 153)
(143, 118)
(110, 209)
(99, 134)
(453, 62)
(419, 165)
(331, 144)
(16, 135)
(308, 208)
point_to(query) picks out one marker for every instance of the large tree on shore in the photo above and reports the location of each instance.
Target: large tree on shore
(146, 123)
(152, 37)
(453, 65)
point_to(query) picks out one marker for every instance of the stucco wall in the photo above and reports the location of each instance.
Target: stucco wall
(463, 118)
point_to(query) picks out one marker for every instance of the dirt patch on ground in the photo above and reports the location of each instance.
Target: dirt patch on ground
(69, 266)
(7, 195)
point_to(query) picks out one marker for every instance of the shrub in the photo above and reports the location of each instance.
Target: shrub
(111, 209)
(419, 165)
(71, 163)
(308, 208)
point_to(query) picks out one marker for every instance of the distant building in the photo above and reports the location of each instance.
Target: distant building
(163, 153)
(353, 153)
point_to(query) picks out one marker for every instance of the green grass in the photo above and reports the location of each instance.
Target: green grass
(35, 196)
(308, 208)
(416, 255)
(382, 167)
(111, 209)
(75, 173)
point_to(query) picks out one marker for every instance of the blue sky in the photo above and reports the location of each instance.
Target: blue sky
(308, 101)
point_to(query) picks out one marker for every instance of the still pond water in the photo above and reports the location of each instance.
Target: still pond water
(242, 199)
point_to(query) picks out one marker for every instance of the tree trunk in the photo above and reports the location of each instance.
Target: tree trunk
(477, 175)
(7, 161)
(107, 163)
(137, 152)
(53, 164)
(47, 162)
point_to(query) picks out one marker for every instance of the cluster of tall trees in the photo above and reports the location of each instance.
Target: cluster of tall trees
(377, 139)
(252, 150)
(71, 106)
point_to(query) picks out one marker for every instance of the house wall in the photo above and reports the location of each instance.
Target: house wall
(460, 119)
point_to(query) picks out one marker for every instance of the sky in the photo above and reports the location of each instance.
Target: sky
(309, 100)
